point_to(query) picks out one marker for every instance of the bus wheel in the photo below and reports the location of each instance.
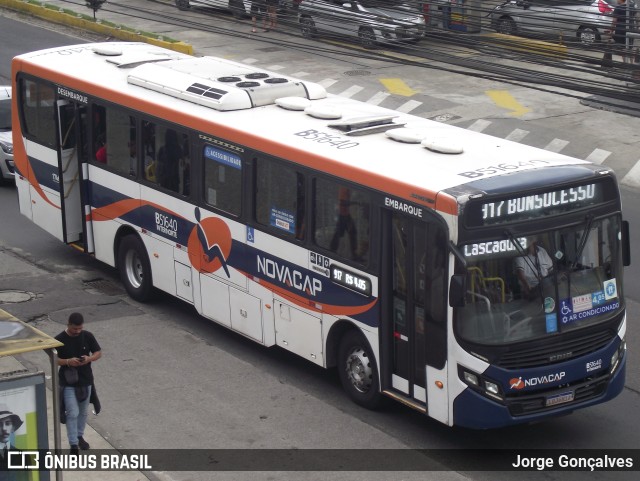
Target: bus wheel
(135, 269)
(358, 370)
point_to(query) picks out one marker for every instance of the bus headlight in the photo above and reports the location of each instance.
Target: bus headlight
(479, 383)
(470, 378)
(618, 355)
(491, 387)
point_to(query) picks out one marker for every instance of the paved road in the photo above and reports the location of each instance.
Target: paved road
(172, 379)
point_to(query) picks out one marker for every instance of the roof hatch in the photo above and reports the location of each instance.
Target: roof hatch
(366, 125)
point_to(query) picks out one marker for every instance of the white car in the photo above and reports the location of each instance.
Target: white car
(239, 8)
(589, 21)
(370, 21)
(6, 141)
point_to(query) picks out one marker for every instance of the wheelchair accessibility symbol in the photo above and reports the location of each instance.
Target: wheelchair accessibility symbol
(565, 310)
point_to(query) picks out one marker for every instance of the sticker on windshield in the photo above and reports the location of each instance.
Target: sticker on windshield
(549, 305)
(569, 314)
(610, 289)
(598, 298)
(581, 303)
(552, 323)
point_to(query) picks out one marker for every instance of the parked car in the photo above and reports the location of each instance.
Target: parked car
(589, 21)
(239, 8)
(6, 141)
(370, 21)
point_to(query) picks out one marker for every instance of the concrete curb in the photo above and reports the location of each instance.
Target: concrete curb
(85, 22)
(512, 42)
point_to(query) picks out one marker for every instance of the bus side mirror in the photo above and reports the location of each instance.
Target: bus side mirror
(457, 290)
(626, 244)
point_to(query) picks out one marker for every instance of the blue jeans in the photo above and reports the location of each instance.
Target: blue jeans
(76, 414)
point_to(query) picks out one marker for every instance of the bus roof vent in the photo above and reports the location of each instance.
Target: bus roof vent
(406, 135)
(220, 84)
(442, 145)
(366, 125)
(107, 50)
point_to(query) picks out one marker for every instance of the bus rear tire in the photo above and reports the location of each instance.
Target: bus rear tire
(135, 268)
(358, 370)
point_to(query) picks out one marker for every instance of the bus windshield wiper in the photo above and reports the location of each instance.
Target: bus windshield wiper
(583, 241)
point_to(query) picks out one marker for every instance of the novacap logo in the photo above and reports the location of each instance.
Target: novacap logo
(519, 383)
(209, 244)
(516, 383)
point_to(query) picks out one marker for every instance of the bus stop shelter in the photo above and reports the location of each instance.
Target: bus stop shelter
(23, 393)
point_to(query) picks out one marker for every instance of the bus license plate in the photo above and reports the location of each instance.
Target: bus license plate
(565, 397)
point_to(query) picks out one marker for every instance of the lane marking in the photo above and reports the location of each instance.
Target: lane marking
(598, 156)
(633, 176)
(300, 74)
(517, 135)
(407, 107)
(479, 125)
(556, 145)
(275, 67)
(351, 91)
(504, 99)
(328, 82)
(249, 60)
(378, 98)
(397, 86)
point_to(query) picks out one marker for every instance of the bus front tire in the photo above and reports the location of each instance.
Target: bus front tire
(135, 268)
(358, 370)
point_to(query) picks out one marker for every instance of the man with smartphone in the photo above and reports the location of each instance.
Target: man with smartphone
(80, 349)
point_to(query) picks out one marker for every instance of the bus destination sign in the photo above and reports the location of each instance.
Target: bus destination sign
(351, 280)
(515, 209)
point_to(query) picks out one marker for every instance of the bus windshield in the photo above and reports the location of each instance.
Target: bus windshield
(527, 287)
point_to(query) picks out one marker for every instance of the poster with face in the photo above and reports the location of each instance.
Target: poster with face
(18, 418)
(23, 427)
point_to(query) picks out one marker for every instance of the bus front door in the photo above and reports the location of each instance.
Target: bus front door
(414, 283)
(69, 179)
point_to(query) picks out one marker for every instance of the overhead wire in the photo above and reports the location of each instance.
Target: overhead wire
(574, 72)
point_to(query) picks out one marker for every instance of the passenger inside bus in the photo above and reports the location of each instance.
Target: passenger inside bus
(345, 223)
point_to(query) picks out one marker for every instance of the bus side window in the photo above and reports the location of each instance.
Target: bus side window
(114, 139)
(37, 104)
(149, 150)
(171, 160)
(280, 198)
(341, 220)
(222, 179)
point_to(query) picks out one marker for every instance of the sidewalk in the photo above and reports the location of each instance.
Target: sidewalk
(11, 364)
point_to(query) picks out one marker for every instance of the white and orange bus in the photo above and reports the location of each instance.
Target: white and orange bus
(474, 279)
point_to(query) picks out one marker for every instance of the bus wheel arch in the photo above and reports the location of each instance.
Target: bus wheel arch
(358, 369)
(134, 267)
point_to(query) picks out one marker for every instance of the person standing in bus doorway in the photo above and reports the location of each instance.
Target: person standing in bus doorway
(80, 349)
(531, 268)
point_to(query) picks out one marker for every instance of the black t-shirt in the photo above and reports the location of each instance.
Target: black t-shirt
(83, 345)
